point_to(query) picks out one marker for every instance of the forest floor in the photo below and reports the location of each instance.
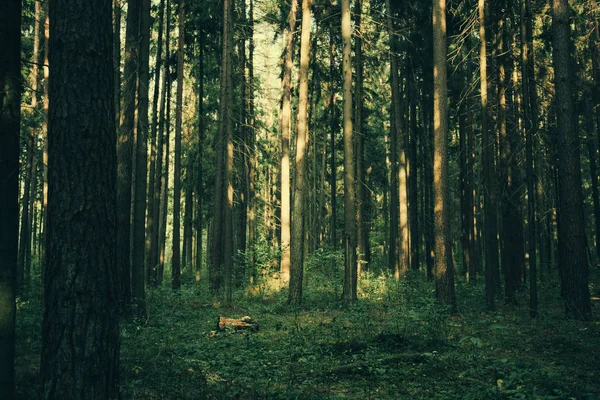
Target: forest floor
(395, 343)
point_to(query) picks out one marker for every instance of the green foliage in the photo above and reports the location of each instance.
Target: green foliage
(396, 342)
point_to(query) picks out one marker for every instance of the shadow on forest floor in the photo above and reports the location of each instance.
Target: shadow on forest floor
(394, 343)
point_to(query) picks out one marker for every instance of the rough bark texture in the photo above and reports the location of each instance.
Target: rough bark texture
(286, 117)
(350, 260)
(572, 263)
(298, 222)
(10, 115)
(80, 341)
(444, 271)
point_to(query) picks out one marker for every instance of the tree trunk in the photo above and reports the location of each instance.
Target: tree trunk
(154, 184)
(176, 256)
(489, 178)
(199, 168)
(286, 117)
(332, 142)
(162, 235)
(531, 126)
(350, 261)
(188, 216)
(395, 117)
(362, 230)
(10, 116)
(80, 340)
(141, 168)
(125, 150)
(444, 270)
(413, 189)
(572, 263)
(228, 212)
(252, 160)
(298, 222)
(512, 258)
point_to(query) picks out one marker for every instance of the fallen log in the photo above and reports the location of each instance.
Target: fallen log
(237, 325)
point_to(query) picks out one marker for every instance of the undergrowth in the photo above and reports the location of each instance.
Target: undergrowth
(394, 343)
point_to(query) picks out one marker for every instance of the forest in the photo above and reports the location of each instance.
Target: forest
(299, 199)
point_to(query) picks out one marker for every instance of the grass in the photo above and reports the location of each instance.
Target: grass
(395, 343)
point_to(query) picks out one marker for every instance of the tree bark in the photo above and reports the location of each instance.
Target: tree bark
(573, 267)
(444, 270)
(154, 184)
(350, 261)
(80, 340)
(362, 230)
(298, 222)
(141, 167)
(125, 149)
(286, 117)
(489, 178)
(10, 116)
(531, 126)
(393, 258)
(176, 255)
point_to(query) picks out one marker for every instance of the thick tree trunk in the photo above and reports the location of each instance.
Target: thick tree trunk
(444, 270)
(176, 255)
(572, 263)
(298, 222)
(10, 116)
(80, 340)
(286, 117)
(350, 261)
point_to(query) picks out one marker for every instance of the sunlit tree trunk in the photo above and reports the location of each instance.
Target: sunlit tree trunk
(10, 116)
(572, 261)
(300, 186)
(155, 159)
(228, 240)
(166, 133)
(444, 270)
(333, 127)
(362, 229)
(393, 258)
(350, 260)
(176, 256)
(286, 117)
